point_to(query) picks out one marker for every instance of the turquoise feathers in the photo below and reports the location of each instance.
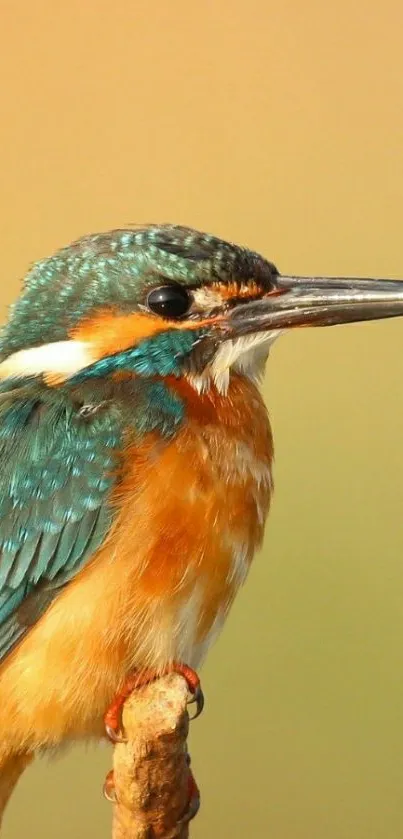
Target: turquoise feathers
(57, 474)
(160, 355)
(61, 447)
(60, 453)
(115, 269)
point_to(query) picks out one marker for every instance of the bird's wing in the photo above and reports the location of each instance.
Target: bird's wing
(57, 470)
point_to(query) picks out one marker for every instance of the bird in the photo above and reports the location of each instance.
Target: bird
(136, 459)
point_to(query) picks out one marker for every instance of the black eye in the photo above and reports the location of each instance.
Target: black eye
(170, 301)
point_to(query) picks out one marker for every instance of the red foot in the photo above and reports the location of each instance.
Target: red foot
(113, 715)
(109, 788)
(194, 799)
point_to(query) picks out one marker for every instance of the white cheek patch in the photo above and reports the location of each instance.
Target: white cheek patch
(61, 358)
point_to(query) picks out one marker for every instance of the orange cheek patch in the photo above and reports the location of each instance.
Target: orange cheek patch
(109, 333)
(227, 291)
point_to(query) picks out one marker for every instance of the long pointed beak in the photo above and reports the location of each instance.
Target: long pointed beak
(317, 301)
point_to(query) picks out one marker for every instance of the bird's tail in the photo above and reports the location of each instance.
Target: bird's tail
(11, 769)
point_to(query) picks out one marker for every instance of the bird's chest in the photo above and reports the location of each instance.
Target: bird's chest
(192, 515)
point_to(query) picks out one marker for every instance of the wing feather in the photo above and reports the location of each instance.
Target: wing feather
(57, 471)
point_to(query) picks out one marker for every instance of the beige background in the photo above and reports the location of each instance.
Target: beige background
(280, 125)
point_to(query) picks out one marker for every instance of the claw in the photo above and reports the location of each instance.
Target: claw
(114, 735)
(192, 810)
(112, 717)
(193, 683)
(109, 788)
(194, 799)
(198, 698)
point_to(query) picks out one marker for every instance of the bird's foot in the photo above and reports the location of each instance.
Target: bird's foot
(194, 798)
(137, 680)
(109, 788)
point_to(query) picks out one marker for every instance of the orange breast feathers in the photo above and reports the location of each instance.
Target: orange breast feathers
(191, 515)
(193, 512)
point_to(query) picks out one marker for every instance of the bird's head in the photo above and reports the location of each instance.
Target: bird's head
(164, 301)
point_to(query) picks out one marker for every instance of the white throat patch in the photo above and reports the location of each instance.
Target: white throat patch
(247, 355)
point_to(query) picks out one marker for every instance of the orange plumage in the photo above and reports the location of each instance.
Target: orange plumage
(160, 587)
(136, 461)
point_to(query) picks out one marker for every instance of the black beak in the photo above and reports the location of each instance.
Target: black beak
(317, 301)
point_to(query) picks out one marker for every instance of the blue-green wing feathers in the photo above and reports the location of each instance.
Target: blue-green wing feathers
(57, 470)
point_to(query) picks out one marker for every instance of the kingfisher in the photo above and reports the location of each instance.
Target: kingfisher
(136, 465)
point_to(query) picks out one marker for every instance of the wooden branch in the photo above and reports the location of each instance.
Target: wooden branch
(151, 773)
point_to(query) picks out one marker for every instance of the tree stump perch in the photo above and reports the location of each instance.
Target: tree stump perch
(151, 769)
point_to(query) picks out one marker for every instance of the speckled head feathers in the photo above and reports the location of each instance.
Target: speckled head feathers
(151, 301)
(115, 269)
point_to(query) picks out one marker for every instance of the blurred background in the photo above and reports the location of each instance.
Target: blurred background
(279, 126)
